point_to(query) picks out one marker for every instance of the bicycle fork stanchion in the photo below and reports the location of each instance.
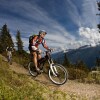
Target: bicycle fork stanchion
(55, 69)
(52, 68)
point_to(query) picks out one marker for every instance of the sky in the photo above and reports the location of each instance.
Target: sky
(69, 23)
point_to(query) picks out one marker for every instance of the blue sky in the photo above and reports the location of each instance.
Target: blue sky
(69, 23)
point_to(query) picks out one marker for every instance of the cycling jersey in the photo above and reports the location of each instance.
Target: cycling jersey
(37, 40)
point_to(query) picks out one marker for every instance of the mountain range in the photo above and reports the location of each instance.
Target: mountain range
(87, 54)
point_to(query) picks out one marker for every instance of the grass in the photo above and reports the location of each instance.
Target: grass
(15, 86)
(93, 77)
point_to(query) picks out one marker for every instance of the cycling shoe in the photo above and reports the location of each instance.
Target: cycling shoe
(38, 70)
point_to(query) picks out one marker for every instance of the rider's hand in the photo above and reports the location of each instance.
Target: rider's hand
(50, 49)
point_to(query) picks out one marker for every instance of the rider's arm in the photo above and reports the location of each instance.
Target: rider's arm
(7, 49)
(45, 45)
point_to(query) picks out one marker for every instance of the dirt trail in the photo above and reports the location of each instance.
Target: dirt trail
(91, 91)
(18, 68)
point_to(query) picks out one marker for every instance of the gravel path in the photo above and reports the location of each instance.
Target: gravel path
(90, 91)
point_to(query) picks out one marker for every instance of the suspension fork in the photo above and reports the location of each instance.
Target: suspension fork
(52, 67)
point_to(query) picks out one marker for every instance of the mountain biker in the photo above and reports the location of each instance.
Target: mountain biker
(34, 48)
(9, 51)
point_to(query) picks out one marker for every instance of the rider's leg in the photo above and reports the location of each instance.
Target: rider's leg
(35, 60)
(39, 57)
(8, 58)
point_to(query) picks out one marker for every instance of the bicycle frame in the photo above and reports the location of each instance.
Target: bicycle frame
(48, 58)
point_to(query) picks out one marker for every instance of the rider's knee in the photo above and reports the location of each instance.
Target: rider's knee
(34, 54)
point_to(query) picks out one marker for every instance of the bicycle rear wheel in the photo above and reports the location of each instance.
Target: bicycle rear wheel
(61, 75)
(32, 69)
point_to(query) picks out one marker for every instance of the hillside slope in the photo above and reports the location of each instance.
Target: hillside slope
(16, 83)
(88, 55)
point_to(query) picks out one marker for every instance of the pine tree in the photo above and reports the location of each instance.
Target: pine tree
(19, 42)
(5, 39)
(81, 65)
(0, 38)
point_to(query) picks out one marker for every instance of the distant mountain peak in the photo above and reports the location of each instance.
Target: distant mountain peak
(84, 47)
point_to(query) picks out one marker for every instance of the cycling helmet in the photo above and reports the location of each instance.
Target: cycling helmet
(42, 31)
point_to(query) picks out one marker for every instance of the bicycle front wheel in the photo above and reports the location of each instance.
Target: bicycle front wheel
(61, 75)
(32, 69)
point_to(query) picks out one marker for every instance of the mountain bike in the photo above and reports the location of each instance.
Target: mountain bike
(56, 72)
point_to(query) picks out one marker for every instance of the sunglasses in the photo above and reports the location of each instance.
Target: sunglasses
(43, 34)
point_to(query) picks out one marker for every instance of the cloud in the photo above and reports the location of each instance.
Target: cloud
(89, 36)
(89, 10)
(32, 19)
(73, 12)
(83, 14)
(29, 18)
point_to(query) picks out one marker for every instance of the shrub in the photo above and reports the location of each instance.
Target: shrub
(93, 77)
(76, 73)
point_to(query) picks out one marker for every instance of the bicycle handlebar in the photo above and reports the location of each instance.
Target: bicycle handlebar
(50, 50)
